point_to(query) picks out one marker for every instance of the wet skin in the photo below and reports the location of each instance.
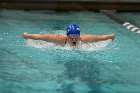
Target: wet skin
(73, 40)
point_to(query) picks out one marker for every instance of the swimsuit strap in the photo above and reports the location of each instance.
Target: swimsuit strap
(65, 41)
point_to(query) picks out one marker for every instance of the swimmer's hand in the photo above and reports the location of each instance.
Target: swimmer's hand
(25, 34)
(113, 36)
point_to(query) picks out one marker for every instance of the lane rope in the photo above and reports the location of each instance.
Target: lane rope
(131, 27)
(128, 25)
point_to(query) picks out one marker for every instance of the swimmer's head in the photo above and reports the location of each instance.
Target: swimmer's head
(73, 34)
(73, 29)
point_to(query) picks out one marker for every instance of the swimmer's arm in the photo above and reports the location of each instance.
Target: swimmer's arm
(45, 37)
(91, 38)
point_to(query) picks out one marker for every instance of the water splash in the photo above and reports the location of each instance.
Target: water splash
(101, 45)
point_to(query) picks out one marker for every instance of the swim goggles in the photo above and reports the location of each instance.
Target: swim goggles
(73, 36)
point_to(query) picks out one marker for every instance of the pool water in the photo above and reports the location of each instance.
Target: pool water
(40, 67)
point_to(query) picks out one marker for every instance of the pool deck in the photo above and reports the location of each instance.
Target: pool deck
(69, 5)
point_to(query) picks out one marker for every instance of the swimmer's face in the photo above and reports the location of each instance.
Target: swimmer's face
(73, 39)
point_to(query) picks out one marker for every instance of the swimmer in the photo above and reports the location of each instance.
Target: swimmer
(72, 37)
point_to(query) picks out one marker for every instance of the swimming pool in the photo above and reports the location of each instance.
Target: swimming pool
(39, 67)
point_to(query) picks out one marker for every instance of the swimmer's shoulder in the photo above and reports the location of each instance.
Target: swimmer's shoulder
(56, 37)
(86, 37)
(61, 38)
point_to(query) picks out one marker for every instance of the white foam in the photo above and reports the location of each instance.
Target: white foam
(100, 45)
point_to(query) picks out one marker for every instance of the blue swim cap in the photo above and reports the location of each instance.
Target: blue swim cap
(73, 29)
